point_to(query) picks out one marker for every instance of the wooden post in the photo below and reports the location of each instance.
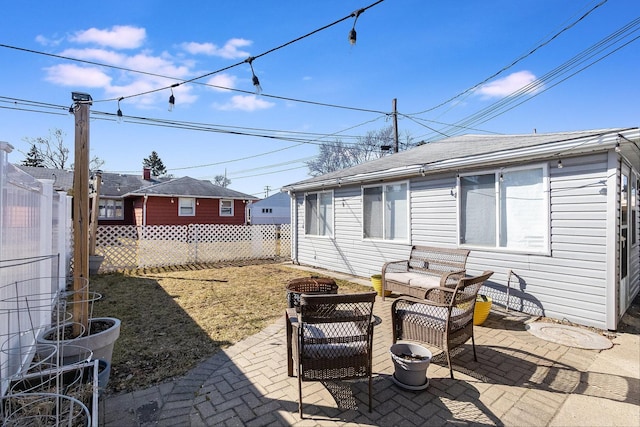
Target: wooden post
(95, 204)
(81, 218)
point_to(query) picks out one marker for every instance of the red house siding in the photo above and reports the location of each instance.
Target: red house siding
(160, 211)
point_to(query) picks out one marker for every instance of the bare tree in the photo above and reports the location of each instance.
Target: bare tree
(222, 181)
(336, 155)
(52, 152)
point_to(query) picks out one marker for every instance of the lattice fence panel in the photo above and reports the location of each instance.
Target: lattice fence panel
(159, 246)
(284, 241)
(164, 245)
(119, 246)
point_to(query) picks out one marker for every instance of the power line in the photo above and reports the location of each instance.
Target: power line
(535, 88)
(514, 62)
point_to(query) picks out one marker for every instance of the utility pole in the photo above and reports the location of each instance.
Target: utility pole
(266, 191)
(82, 102)
(395, 125)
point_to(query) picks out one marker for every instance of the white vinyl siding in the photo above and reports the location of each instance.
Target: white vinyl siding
(570, 281)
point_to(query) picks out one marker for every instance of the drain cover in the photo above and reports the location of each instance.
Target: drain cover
(570, 336)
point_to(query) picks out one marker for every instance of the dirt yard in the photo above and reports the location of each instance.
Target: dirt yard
(172, 319)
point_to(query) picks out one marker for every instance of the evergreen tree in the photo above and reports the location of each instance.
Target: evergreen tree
(154, 163)
(33, 158)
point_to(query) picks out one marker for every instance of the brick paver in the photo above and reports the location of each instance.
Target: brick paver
(518, 380)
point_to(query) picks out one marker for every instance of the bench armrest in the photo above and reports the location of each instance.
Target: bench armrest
(395, 267)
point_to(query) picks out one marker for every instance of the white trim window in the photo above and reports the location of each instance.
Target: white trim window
(186, 206)
(226, 207)
(318, 213)
(110, 209)
(385, 212)
(507, 209)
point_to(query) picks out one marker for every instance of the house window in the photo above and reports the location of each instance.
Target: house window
(507, 209)
(386, 212)
(318, 208)
(226, 207)
(186, 206)
(110, 209)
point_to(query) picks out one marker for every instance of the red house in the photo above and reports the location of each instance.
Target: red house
(148, 200)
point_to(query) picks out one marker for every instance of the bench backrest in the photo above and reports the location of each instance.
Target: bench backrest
(438, 259)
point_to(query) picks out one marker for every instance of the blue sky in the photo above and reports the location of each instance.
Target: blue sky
(451, 66)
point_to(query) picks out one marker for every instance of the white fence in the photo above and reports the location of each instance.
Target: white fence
(35, 228)
(129, 247)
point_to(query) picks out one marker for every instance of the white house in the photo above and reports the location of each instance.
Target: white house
(555, 216)
(275, 209)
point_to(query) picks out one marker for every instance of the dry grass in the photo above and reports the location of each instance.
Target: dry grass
(174, 318)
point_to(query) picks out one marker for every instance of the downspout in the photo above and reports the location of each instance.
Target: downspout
(294, 229)
(144, 210)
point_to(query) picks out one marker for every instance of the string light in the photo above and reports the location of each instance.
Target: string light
(256, 82)
(172, 99)
(560, 166)
(119, 113)
(71, 110)
(352, 33)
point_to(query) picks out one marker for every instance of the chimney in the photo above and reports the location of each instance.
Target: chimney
(146, 174)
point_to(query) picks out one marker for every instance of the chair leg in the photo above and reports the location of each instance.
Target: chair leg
(449, 363)
(473, 344)
(299, 392)
(370, 391)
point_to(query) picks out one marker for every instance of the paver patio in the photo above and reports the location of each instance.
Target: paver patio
(519, 380)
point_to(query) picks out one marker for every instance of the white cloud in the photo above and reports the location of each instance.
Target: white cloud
(45, 41)
(229, 50)
(117, 37)
(223, 80)
(245, 103)
(73, 75)
(507, 85)
(97, 55)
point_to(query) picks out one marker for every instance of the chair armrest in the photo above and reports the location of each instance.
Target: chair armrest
(395, 266)
(415, 300)
(440, 295)
(450, 280)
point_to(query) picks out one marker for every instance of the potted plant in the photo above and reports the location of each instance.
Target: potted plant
(376, 282)
(481, 309)
(410, 362)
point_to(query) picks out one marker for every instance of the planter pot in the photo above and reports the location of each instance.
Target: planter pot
(376, 282)
(59, 396)
(95, 261)
(481, 310)
(410, 362)
(104, 333)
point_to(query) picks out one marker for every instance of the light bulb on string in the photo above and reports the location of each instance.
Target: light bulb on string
(119, 113)
(254, 78)
(172, 99)
(352, 33)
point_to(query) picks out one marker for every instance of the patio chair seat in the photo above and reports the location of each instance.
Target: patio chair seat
(415, 279)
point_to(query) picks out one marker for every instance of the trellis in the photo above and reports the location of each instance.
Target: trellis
(130, 247)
